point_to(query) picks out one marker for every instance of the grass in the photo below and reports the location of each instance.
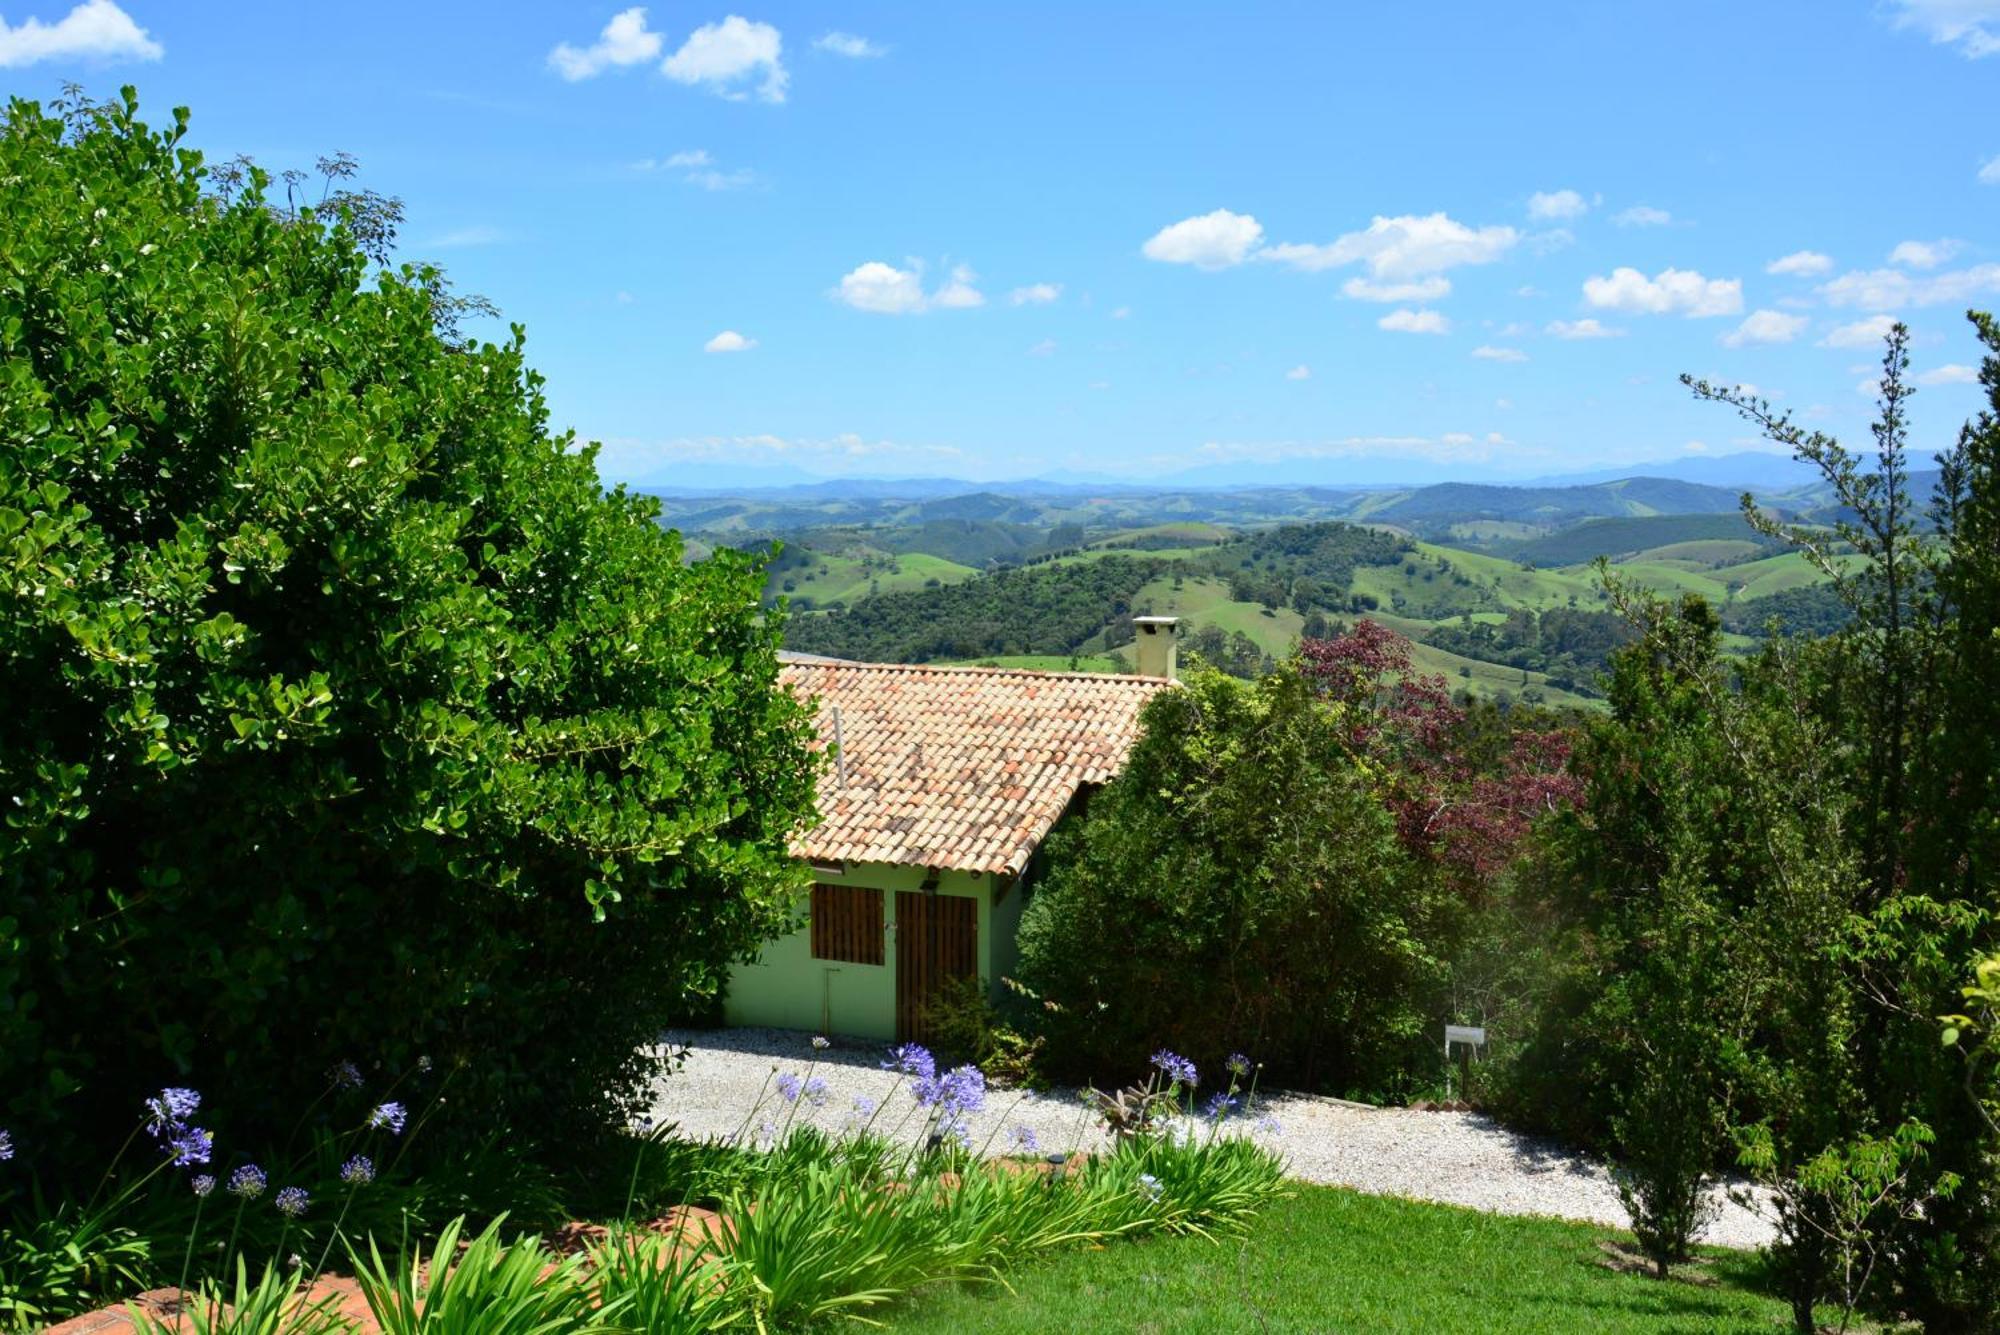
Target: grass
(847, 580)
(1327, 1259)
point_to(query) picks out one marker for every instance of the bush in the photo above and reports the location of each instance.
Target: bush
(346, 714)
(1239, 887)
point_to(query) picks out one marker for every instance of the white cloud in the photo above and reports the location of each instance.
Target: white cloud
(1557, 204)
(1100, 385)
(1486, 352)
(1211, 241)
(1045, 348)
(1402, 247)
(1122, 313)
(959, 294)
(689, 157)
(624, 41)
(1674, 290)
(698, 168)
(729, 341)
(1952, 374)
(1643, 215)
(1299, 372)
(1973, 26)
(1574, 329)
(721, 55)
(1415, 322)
(1892, 288)
(629, 457)
(1034, 294)
(1860, 334)
(847, 44)
(883, 289)
(1763, 326)
(624, 298)
(1925, 254)
(1801, 264)
(96, 30)
(1989, 174)
(1423, 289)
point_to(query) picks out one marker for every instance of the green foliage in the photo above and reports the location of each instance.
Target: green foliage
(489, 1287)
(1572, 647)
(1048, 609)
(52, 1263)
(658, 1287)
(274, 1306)
(1239, 887)
(346, 713)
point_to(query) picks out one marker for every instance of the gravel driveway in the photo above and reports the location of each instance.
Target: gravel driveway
(1457, 1158)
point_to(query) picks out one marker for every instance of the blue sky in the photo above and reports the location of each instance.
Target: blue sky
(1321, 240)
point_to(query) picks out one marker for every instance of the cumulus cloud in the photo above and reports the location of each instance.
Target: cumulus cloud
(1299, 372)
(1423, 289)
(1550, 204)
(1588, 328)
(1034, 294)
(624, 41)
(847, 44)
(630, 457)
(1892, 288)
(1990, 173)
(1415, 322)
(724, 57)
(1925, 254)
(95, 30)
(1643, 215)
(1486, 352)
(1214, 240)
(1045, 348)
(1973, 26)
(698, 168)
(1681, 291)
(1862, 333)
(729, 341)
(883, 289)
(1801, 264)
(1950, 374)
(1765, 326)
(1408, 246)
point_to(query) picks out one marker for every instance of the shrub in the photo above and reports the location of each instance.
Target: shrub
(345, 711)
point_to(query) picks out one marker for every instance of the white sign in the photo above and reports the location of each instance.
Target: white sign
(1464, 1033)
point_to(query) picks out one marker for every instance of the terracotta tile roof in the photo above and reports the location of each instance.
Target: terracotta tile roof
(959, 767)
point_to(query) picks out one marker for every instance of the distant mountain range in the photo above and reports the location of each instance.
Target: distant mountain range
(1747, 470)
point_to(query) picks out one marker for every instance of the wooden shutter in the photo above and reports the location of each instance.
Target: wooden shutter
(937, 942)
(847, 924)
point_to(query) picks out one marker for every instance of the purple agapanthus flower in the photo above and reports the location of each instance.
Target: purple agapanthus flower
(1178, 1069)
(1023, 1139)
(1269, 1125)
(358, 1171)
(190, 1145)
(248, 1182)
(345, 1075)
(959, 1090)
(1220, 1106)
(1239, 1065)
(815, 1092)
(291, 1202)
(169, 1110)
(821, 1042)
(1151, 1185)
(912, 1059)
(203, 1185)
(788, 1087)
(864, 1106)
(6, 1146)
(389, 1117)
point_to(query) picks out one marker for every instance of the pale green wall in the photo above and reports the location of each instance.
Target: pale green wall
(788, 989)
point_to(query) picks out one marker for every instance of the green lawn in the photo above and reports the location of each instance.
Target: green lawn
(1333, 1260)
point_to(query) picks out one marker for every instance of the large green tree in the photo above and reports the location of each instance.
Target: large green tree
(343, 714)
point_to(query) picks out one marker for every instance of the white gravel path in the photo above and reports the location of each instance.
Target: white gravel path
(1457, 1158)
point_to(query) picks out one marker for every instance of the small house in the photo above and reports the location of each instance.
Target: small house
(943, 782)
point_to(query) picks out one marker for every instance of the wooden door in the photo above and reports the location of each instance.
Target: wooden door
(937, 941)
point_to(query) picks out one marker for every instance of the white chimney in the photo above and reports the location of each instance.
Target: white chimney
(1157, 646)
